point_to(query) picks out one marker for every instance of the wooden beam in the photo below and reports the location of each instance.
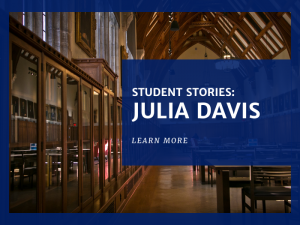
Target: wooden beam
(197, 38)
(202, 24)
(278, 38)
(142, 25)
(272, 40)
(222, 48)
(162, 38)
(246, 30)
(152, 48)
(247, 49)
(233, 48)
(163, 56)
(279, 14)
(160, 17)
(263, 31)
(277, 53)
(176, 36)
(283, 28)
(216, 18)
(232, 32)
(243, 14)
(212, 41)
(177, 16)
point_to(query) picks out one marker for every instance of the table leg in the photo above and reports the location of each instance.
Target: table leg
(194, 161)
(202, 174)
(223, 194)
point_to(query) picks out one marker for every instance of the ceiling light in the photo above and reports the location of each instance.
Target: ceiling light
(174, 26)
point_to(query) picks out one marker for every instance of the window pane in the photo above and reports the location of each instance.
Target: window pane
(23, 140)
(72, 134)
(105, 81)
(53, 159)
(97, 143)
(106, 133)
(111, 131)
(112, 85)
(119, 139)
(86, 142)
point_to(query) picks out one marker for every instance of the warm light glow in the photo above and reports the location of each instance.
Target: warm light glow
(106, 146)
(227, 56)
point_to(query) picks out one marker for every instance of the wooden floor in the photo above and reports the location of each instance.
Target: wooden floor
(177, 189)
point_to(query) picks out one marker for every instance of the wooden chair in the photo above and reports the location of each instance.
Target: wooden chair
(266, 192)
(29, 167)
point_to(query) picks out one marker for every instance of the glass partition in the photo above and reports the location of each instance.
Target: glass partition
(97, 143)
(111, 136)
(112, 86)
(119, 138)
(53, 158)
(105, 127)
(86, 142)
(23, 132)
(72, 144)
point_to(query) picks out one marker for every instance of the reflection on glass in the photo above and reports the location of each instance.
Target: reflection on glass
(96, 141)
(23, 139)
(112, 85)
(72, 143)
(106, 135)
(111, 136)
(119, 138)
(53, 158)
(86, 142)
(105, 81)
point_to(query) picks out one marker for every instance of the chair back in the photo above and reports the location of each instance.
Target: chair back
(268, 173)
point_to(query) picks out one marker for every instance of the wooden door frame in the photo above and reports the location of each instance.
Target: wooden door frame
(77, 78)
(63, 129)
(83, 82)
(22, 44)
(96, 194)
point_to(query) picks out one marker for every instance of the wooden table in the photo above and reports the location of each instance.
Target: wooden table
(196, 154)
(223, 193)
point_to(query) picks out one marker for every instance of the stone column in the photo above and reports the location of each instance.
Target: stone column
(112, 42)
(117, 47)
(49, 28)
(28, 20)
(97, 17)
(64, 34)
(101, 36)
(70, 26)
(56, 30)
(117, 53)
(106, 36)
(37, 20)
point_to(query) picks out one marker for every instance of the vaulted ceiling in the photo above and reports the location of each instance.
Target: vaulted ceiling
(244, 35)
